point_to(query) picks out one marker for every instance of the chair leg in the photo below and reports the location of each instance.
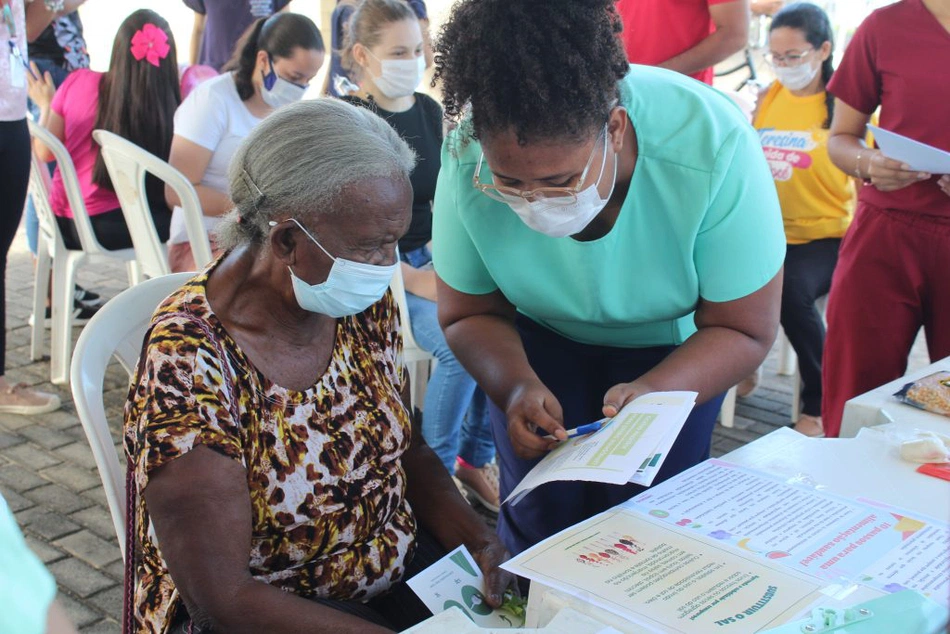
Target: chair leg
(727, 415)
(420, 382)
(40, 295)
(796, 396)
(787, 359)
(136, 275)
(64, 282)
(413, 381)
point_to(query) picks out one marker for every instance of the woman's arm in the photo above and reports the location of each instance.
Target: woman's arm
(848, 151)
(201, 509)
(731, 36)
(480, 329)
(41, 91)
(443, 512)
(197, 31)
(419, 282)
(192, 161)
(732, 340)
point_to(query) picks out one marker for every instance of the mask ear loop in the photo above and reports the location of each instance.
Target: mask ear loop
(274, 223)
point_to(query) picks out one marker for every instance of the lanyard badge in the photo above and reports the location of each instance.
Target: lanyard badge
(18, 64)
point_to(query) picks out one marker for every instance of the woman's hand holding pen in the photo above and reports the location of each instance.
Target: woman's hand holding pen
(531, 406)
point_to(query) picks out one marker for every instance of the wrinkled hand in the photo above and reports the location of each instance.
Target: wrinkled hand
(532, 406)
(944, 183)
(889, 175)
(41, 89)
(621, 394)
(488, 557)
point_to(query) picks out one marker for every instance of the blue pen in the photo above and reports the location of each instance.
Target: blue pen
(584, 430)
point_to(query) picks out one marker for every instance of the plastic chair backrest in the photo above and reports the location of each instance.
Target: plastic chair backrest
(64, 163)
(398, 287)
(128, 165)
(117, 329)
(40, 186)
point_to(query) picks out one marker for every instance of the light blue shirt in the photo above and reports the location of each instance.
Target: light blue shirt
(26, 588)
(701, 221)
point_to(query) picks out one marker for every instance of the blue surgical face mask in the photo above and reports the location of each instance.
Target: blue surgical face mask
(350, 288)
(277, 91)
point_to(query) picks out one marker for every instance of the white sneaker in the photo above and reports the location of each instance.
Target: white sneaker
(22, 399)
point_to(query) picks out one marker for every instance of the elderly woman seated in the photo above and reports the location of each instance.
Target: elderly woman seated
(281, 485)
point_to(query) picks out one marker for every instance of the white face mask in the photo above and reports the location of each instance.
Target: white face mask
(277, 91)
(350, 288)
(400, 77)
(559, 221)
(795, 77)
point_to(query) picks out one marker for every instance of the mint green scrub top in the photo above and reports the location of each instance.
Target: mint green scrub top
(701, 220)
(26, 588)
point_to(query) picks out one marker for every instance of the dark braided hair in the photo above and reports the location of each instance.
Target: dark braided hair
(546, 69)
(814, 24)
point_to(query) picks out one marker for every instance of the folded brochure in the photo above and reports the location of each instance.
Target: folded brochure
(457, 581)
(630, 448)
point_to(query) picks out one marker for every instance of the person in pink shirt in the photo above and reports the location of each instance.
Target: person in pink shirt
(136, 99)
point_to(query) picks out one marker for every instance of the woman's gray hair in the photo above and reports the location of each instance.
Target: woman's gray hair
(298, 160)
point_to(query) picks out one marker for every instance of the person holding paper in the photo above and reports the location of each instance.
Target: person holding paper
(891, 277)
(601, 231)
(793, 116)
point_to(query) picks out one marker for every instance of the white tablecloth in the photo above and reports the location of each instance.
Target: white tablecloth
(879, 407)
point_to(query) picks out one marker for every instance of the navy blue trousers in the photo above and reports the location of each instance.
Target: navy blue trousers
(579, 375)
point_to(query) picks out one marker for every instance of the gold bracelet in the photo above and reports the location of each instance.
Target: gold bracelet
(857, 165)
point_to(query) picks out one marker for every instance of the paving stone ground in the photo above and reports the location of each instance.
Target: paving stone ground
(49, 478)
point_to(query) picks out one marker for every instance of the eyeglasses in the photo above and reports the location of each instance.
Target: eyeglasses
(551, 195)
(789, 59)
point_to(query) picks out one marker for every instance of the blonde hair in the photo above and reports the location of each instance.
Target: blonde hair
(367, 23)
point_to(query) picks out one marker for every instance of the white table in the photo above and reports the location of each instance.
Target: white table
(879, 406)
(867, 466)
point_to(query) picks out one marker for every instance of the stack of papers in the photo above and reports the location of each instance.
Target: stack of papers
(630, 448)
(722, 547)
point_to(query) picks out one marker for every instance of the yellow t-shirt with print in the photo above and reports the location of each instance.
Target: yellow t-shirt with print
(817, 198)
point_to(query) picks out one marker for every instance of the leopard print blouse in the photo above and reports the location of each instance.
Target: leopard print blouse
(330, 516)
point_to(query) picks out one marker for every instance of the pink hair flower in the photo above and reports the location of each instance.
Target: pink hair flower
(151, 44)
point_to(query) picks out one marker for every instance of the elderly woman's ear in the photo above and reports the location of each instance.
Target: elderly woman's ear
(284, 241)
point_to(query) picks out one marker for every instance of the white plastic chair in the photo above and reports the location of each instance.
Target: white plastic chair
(118, 330)
(52, 253)
(727, 415)
(418, 361)
(128, 164)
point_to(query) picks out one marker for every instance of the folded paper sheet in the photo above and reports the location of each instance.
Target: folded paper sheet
(919, 156)
(631, 448)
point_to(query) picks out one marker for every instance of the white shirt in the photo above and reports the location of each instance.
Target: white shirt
(214, 117)
(13, 98)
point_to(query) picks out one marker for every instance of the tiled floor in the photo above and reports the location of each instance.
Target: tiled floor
(49, 478)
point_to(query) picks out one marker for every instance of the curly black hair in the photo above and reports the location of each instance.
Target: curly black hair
(548, 69)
